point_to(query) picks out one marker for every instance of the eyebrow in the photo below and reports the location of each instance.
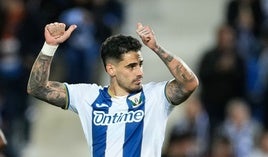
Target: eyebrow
(134, 64)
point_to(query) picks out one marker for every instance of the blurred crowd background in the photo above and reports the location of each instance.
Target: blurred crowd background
(21, 35)
(226, 117)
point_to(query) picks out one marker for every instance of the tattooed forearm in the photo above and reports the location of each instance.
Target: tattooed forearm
(177, 67)
(41, 88)
(40, 70)
(163, 55)
(185, 81)
(186, 75)
(39, 74)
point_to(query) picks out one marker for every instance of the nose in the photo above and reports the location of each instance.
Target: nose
(140, 71)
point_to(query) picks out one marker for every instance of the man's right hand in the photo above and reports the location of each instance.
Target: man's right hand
(55, 33)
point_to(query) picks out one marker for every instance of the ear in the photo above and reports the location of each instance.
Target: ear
(110, 69)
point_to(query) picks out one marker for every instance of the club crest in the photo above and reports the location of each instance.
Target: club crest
(136, 99)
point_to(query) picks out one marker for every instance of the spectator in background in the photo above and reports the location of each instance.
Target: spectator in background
(49, 10)
(81, 51)
(240, 127)
(261, 149)
(247, 17)
(221, 147)
(181, 145)
(195, 121)
(96, 20)
(262, 81)
(221, 74)
(236, 9)
(264, 7)
(13, 75)
(109, 17)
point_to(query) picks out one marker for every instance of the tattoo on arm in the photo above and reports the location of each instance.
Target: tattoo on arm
(39, 86)
(185, 74)
(179, 89)
(179, 69)
(164, 56)
(176, 92)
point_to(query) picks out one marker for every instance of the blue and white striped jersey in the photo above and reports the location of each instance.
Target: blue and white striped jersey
(128, 126)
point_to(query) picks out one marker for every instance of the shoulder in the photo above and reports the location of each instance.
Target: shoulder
(155, 89)
(81, 94)
(155, 86)
(82, 88)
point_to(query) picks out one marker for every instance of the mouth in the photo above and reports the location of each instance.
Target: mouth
(138, 81)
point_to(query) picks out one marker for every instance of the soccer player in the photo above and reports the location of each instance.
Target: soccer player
(125, 118)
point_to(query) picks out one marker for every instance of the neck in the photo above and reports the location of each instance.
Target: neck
(115, 92)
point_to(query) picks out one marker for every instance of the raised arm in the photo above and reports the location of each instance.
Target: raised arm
(39, 85)
(184, 82)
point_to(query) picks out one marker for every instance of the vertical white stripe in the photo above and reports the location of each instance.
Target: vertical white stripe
(116, 132)
(115, 140)
(154, 123)
(86, 123)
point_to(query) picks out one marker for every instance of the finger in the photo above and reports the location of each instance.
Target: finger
(55, 27)
(145, 35)
(46, 29)
(139, 25)
(146, 29)
(70, 30)
(144, 32)
(62, 25)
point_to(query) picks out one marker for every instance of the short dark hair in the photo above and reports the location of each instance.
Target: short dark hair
(116, 45)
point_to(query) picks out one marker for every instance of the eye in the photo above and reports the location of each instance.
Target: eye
(131, 66)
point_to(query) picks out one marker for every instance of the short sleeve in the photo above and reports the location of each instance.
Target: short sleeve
(81, 94)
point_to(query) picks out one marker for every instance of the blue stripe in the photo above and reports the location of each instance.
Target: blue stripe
(99, 131)
(134, 132)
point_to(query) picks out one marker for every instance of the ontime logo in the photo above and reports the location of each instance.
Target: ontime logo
(102, 118)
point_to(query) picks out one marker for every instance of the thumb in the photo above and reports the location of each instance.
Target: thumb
(139, 25)
(70, 30)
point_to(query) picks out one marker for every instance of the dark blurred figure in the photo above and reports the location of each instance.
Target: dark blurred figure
(181, 144)
(81, 50)
(263, 75)
(264, 5)
(222, 75)
(236, 9)
(48, 10)
(247, 18)
(221, 147)
(265, 102)
(37, 14)
(195, 121)
(109, 16)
